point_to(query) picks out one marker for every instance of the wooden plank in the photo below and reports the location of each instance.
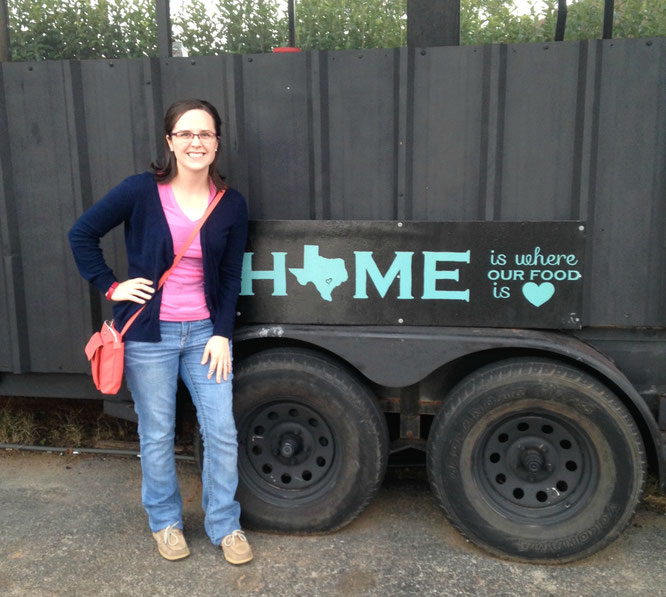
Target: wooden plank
(539, 131)
(363, 134)
(42, 136)
(278, 135)
(628, 234)
(447, 150)
(13, 351)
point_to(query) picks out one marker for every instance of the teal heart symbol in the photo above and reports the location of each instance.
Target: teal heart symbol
(538, 294)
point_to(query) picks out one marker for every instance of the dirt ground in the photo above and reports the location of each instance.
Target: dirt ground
(73, 526)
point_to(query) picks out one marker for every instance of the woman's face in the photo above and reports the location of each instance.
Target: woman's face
(193, 154)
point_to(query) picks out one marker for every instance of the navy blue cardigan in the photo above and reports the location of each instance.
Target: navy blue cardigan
(135, 202)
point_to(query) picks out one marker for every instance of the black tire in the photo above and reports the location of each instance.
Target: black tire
(313, 444)
(536, 460)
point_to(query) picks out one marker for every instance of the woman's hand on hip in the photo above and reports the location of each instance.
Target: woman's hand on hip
(137, 290)
(217, 349)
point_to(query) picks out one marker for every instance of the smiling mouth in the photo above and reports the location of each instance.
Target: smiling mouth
(196, 154)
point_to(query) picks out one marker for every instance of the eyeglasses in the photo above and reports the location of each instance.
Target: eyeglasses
(204, 136)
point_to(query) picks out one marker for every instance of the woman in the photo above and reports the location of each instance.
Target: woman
(186, 327)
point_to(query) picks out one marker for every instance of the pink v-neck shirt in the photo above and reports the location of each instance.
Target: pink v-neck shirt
(183, 296)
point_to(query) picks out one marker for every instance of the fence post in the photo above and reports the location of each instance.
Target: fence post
(163, 15)
(292, 23)
(433, 23)
(609, 7)
(561, 24)
(5, 56)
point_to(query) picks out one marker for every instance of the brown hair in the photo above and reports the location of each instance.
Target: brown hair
(165, 170)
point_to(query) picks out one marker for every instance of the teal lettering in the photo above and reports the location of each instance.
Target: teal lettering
(431, 274)
(278, 274)
(401, 268)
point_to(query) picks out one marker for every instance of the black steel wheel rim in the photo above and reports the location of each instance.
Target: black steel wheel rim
(286, 446)
(536, 466)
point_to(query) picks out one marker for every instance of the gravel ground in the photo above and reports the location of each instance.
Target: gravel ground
(73, 525)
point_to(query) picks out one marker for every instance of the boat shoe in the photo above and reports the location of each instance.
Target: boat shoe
(171, 543)
(236, 548)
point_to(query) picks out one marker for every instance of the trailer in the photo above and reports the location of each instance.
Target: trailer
(454, 250)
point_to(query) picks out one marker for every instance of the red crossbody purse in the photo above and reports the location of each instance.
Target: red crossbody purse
(106, 349)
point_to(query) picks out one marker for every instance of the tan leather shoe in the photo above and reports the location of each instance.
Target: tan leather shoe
(171, 543)
(236, 548)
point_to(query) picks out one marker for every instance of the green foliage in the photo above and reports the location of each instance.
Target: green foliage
(249, 26)
(497, 21)
(236, 26)
(494, 21)
(351, 24)
(199, 33)
(58, 29)
(79, 29)
(632, 18)
(243, 26)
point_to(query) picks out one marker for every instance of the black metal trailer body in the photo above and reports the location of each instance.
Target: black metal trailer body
(539, 402)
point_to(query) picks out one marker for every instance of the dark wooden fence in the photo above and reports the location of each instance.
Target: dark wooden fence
(573, 130)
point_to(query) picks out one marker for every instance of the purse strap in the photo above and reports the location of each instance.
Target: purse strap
(179, 256)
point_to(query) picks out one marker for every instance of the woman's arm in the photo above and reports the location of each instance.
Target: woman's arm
(218, 348)
(231, 267)
(94, 223)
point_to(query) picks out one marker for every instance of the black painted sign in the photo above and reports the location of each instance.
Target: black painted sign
(489, 274)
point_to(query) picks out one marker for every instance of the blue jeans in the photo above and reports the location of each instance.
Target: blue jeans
(152, 371)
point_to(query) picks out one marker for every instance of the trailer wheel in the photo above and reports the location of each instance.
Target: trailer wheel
(536, 460)
(313, 444)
